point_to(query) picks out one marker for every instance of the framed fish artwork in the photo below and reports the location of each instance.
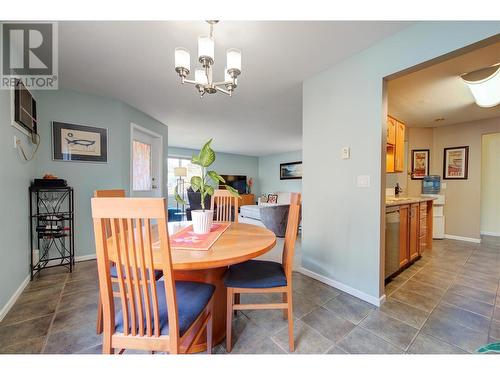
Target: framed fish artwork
(71, 142)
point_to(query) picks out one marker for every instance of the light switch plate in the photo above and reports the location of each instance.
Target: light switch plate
(443, 185)
(346, 152)
(363, 181)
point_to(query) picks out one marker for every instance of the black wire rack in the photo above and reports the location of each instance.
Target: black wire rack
(51, 228)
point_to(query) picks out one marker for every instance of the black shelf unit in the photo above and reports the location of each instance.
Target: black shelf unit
(52, 230)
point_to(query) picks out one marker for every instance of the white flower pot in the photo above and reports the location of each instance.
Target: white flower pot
(202, 221)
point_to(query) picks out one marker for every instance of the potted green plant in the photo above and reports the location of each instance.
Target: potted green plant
(202, 219)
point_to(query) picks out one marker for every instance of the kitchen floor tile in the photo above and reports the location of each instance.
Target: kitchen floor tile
(468, 304)
(361, 341)
(404, 312)
(307, 340)
(415, 300)
(331, 325)
(455, 334)
(425, 344)
(465, 318)
(72, 340)
(350, 308)
(396, 332)
(26, 330)
(477, 294)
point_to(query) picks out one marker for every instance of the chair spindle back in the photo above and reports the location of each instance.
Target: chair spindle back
(292, 228)
(225, 206)
(129, 246)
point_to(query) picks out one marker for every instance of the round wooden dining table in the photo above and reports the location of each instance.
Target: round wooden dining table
(240, 242)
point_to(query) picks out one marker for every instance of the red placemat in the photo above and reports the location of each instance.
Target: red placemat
(186, 239)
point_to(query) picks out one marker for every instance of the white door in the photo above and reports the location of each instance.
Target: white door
(146, 150)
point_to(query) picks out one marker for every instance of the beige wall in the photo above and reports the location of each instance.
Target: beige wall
(418, 139)
(490, 184)
(463, 197)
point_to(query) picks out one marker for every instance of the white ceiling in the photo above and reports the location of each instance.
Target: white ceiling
(419, 98)
(133, 62)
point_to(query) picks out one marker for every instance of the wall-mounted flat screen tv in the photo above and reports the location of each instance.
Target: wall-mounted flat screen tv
(237, 182)
(25, 110)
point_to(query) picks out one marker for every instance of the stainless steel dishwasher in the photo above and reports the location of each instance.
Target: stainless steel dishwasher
(392, 220)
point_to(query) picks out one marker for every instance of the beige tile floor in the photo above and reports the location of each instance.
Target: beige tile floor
(447, 302)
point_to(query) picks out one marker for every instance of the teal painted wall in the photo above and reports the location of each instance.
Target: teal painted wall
(15, 176)
(83, 109)
(227, 163)
(269, 173)
(343, 107)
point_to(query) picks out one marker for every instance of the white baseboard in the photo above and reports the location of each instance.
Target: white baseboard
(4, 311)
(494, 234)
(14, 298)
(343, 287)
(460, 238)
(83, 258)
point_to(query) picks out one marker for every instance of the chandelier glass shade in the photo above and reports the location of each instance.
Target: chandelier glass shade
(203, 76)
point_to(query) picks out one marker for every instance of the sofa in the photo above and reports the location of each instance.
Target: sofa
(273, 216)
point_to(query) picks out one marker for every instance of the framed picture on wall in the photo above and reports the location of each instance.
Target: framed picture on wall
(71, 142)
(291, 171)
(456, 163)
(420, 160)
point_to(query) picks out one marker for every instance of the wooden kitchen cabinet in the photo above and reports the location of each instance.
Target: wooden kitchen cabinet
(391, 131)
(395, 156)
(399, 157)
(404, 257)
(413, 231)
(422, 228)
(415, 235)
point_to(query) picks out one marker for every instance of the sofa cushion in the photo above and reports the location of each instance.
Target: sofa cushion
(251, 211)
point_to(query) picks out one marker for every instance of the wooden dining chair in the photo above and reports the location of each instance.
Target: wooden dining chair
(225, 206)
(152, 315)
(259, 276)
(114, 193)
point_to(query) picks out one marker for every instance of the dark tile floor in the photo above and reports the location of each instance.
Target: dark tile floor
(447, 302)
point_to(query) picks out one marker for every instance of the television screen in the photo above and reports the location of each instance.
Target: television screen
(237, 182)
(25, 108)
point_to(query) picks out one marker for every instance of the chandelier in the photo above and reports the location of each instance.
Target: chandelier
(203, 77)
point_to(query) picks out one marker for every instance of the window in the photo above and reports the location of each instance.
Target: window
(192, 170)
(141, 167)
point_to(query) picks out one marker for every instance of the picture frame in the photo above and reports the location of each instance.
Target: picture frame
(291, 171)
(456, 163)
(420, 161)
(72, 142)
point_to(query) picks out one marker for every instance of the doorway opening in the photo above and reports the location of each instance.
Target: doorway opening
(438, 136)
(490, 185)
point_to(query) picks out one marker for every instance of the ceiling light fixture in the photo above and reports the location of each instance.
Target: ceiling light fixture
(206, 56)
(484, 85)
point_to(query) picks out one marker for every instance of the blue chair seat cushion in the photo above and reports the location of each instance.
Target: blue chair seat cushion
(114, 273)
(255, 274)
(192, 298)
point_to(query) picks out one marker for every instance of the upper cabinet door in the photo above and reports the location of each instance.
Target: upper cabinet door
(391, 131)
(399, 157)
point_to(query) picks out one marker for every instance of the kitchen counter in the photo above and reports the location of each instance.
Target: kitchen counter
(398, 201)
